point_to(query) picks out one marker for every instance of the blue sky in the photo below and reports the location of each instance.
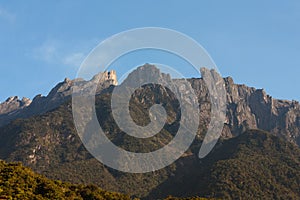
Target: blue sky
(255, 42)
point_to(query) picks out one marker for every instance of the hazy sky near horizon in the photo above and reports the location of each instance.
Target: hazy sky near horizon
(255, 42)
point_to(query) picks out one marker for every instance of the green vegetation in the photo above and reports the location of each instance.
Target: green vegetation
(253, 165)
(192, 198)
(260, 166)
(49, 142)
(18, 182)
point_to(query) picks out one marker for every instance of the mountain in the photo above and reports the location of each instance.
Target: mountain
(254, 164)
(247, 107)
(13, 104)
(42, 136)
(13, 108)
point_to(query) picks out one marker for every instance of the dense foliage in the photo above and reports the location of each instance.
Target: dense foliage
(253, 165)
(260, 166)
(18, 182)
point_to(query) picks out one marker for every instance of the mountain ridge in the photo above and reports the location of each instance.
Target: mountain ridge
(247, 107)
(48, 143)
(13, 108)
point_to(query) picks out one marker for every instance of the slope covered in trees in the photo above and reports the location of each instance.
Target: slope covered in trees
(18, 182)
(254, 165)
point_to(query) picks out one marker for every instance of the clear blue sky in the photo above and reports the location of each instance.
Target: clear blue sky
(255, 42)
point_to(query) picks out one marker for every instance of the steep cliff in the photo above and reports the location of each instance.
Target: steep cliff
(49, 144)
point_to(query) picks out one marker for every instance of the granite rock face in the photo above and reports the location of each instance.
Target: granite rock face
(250, 108)
(13, 104)
(247, 107)
(14, 108)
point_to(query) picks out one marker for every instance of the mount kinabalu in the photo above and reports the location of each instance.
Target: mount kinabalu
(46, 140)
(247, 107)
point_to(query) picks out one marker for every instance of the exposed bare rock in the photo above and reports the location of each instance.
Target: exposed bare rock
(250, 108)
(14, 108)
(13, 104)
(247, 107)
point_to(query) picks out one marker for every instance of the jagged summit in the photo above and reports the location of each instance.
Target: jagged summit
(14, 108)
(14, 103)
(107, 76)
(247, 107)
(49, 142)
(146, 73)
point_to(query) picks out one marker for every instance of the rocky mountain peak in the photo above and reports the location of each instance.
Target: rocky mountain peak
(26, 101)
(247, 107)
(106, 76)
(13, 104)
(11, 99)
(14, 108)
(146, 73)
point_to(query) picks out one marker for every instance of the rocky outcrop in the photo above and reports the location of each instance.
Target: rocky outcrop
(247, 107)
(250, 108)
(13, 104)
(14, 108)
